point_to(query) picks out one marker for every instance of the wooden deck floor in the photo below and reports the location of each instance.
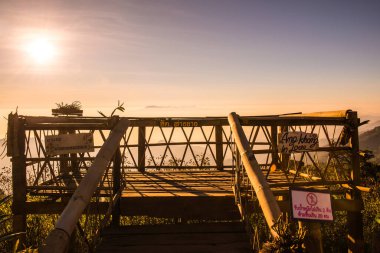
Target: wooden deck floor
(178, 184)
(169, 183)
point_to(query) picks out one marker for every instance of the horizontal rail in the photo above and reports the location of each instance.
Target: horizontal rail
(51, 123)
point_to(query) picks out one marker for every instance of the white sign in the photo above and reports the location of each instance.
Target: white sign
(311, 205)
(69, 143)
(297, 141)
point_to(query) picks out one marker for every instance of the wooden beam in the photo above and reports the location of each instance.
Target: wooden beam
(355, 219)
(18, 174)
(116, 176)
(190, 206)
(57, 240)
(263, 192)
(219, 146)
(141, 149)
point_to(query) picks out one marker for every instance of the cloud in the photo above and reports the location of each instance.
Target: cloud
(167, 107)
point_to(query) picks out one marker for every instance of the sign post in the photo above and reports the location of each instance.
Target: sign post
(309, 204)
(311, 207)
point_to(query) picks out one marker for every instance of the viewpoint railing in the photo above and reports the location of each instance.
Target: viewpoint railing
(152, 144)
(333, 165)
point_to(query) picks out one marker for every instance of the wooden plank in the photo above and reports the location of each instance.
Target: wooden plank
(202, 207)
(116, 178)
(223, 206)
(141, 148)
(19, 181)
(219, 146)
(108, 123)
(211, 237)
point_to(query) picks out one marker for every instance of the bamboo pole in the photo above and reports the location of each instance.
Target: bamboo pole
(264, 195)
(332, 114)
(57, 240)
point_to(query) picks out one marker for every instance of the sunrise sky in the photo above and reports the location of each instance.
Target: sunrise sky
(190, 57)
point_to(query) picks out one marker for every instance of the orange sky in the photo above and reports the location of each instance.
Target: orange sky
(191, 58)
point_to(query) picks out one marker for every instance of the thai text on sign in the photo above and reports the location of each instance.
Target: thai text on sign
(297, 141)
(311, 205)
(69, 143)
(178, 123)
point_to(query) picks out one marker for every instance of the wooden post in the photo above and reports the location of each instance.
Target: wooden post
(219, 146)
(313, 240)
(267, 201)
(58, 239)
(116, 173)
(355, 219)
(141, 149)
(18, 173)
(64, 171)
(274, 134)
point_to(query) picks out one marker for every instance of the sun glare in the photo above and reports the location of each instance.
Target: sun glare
(41, 50)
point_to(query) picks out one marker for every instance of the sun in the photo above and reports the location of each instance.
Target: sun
(41, 50)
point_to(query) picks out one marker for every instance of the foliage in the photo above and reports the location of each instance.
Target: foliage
(334, 233)
(371, 212)
(67, 109)
(290, 238)
(119, 107)
(38, 227)
(6, 181)
(6, 236)
(76, 105)
(168, 160)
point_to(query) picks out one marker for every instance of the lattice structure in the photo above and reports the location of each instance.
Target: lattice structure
(333, 166)
(186, 145)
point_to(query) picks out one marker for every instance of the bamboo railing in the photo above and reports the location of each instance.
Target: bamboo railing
(58, 239)
(264, 195)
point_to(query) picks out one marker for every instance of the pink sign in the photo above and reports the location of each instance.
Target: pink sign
(311, 205)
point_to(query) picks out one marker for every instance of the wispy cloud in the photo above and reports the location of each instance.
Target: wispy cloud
(167, 107)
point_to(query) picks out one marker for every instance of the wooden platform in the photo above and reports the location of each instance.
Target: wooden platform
(201, 238)
(211, 183)
(183, 194)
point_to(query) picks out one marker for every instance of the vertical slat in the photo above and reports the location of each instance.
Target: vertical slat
(355, 219)
(116, 174)
(18, 175)
(274, 133)
(141, 149)
(313, 241)
(219, 146)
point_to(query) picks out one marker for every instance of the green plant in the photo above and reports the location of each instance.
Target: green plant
(68, 109)
(6, 237)
(76, 105)
(119, 107)
(290, 238)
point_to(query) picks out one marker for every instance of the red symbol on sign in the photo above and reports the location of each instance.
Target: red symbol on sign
(311, 199)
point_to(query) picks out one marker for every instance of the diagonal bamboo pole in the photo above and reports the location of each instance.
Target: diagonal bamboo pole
(265, 196)
(58, 239)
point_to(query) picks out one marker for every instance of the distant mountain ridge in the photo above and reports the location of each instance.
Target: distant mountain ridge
(371, 140)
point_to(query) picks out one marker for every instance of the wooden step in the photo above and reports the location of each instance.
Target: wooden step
(201, 237)
(190, 207)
